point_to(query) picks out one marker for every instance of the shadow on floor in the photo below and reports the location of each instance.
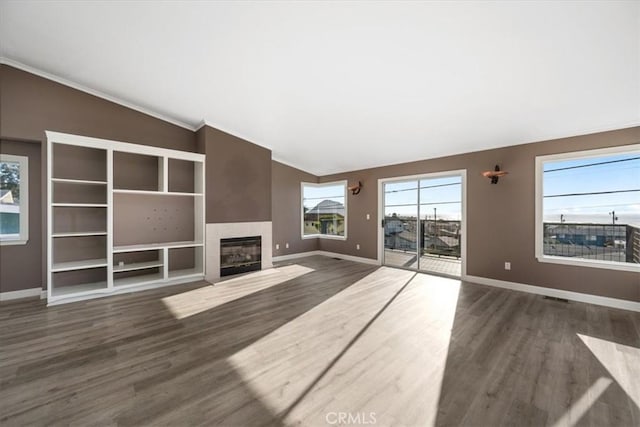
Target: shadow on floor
(518, 359)
(128, 360)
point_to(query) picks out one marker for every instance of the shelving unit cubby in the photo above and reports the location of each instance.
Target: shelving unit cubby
(121, 217)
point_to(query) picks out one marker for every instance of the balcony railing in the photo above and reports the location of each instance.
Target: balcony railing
(606, 242)
(439, 238)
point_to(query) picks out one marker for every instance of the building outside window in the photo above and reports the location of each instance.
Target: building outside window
(324, 210)
(14, 199)
(588, 208)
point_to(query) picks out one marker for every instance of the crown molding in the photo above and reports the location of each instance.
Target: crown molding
(40, 73)
(208, 123)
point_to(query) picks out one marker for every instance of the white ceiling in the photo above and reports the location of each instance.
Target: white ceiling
(332, 86)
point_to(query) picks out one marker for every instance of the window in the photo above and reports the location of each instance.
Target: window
(588, 208)
(14, 200)
(324, 210)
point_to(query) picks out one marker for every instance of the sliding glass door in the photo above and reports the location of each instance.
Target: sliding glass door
(401, 224)
(422, 225)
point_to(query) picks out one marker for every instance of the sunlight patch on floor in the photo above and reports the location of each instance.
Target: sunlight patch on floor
(618, 360)
(394, 369)
(580, 407)
(199, 300)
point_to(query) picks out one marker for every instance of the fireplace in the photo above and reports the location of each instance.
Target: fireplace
(215, 232)
(240, 255)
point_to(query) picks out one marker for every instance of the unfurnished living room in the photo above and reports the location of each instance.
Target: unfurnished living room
(319, 213)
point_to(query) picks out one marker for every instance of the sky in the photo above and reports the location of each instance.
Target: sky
(444, 194)
(617, 174)
(314, 195)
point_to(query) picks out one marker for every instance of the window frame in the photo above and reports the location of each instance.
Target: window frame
(344, 184)
(539, 208)
(23, 161)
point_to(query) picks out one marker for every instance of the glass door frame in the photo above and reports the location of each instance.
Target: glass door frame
(462, 173)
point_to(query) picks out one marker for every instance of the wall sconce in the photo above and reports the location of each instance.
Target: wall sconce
(355, 189)
(495, 174)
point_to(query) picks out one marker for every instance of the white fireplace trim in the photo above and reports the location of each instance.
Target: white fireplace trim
(217, 231)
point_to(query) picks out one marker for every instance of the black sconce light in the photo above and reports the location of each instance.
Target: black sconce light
(355, 189)
(495, 174)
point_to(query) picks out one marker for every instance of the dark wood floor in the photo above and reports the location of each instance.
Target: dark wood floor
(315, 342)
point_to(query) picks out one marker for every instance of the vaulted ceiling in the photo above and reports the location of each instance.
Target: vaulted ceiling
(335, 86)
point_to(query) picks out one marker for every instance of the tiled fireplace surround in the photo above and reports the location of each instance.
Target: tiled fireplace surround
(217, 231)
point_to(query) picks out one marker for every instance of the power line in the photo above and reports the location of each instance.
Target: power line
(421, 188)
(581, 173)
(324, 197)
(440, 203)
(592, 193)
(587, 207)
(421, 204)
(592, 164)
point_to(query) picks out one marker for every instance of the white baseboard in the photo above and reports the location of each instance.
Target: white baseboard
(120, 291)
(327, 254)
(294, 256)
(349, 257)
(24, 293)
(539, 290)
(557, 293)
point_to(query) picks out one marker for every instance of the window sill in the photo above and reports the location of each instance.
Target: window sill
(323, 236)
(608, 265)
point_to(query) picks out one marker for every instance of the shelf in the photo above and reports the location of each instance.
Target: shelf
(137, 266)
(80, 234)
(117, 202)
(78, 181)
(79, 265)
(157, 193)
(78, 289)
(150, 246)
(79, 205)
(137, 280)
(184, 273)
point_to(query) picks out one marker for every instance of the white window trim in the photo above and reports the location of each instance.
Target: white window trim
(462, 173)
(539, 247)
(23, 161)
(323, 236)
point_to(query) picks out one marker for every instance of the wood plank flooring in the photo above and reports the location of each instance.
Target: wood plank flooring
(319, 342)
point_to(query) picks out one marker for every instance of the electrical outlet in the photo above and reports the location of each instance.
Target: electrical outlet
(368, 217)
(277, 246)
(507, 265)
(358, 247)
(286, 245)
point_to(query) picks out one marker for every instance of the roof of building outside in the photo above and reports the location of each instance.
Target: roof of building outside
(327, 207)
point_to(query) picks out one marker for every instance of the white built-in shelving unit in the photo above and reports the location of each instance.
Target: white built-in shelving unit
(121, 217)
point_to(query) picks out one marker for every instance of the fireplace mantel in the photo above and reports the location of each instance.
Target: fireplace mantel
(217, 231)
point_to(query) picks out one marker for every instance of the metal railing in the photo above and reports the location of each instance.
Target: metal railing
(607, 242)
(438, 238)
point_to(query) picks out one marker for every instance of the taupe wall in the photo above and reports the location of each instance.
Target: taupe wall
(29, 105)
(286, 214)
(238, 178)
(500, 218)
(21, 266)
